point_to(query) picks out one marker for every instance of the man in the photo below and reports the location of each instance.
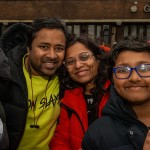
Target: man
(31, 101)
(126, 117)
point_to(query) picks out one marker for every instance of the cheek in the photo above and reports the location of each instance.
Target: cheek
(35, 53)
(121, 90)
(118, 84)
(95, 68)
(71, 74)
(61, 56)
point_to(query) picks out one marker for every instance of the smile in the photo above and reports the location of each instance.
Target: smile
(81, 73)
(50, 65)
(136, 87)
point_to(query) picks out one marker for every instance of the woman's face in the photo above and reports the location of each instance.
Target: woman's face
(82, 71)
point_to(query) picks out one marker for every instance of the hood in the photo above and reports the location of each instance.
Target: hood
(118, 108)
(16, 34)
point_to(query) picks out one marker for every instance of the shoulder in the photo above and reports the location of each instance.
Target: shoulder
(100, 129)
(73, 96)
(106, 132)
(76, 92)
(97, 134)
(100, 125)
(106, 125)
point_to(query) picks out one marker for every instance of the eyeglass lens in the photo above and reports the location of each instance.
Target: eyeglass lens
(83, 57)
(125, 71)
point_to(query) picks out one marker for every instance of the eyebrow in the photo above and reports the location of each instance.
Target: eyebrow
(138, 63)
(80, 54)
(45, 43)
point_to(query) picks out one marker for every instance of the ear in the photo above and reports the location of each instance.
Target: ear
(28, 50)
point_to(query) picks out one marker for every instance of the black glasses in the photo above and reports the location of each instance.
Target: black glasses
(82, 58)
(124, 72)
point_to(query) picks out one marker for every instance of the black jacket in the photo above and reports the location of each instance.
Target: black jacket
(118, 129)
(4, 76)
(14, 91)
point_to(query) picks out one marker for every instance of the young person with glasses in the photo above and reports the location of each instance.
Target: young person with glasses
(126, 117)
(84, 78)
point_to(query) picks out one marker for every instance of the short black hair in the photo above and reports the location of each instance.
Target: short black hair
(49, 23)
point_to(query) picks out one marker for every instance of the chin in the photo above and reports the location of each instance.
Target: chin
(79, 81)
(136, 103)
(48, 73)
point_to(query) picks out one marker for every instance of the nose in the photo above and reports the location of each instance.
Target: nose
(134, 77)
(51, 53)
(78, 64)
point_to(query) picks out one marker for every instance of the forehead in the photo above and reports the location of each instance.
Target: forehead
(48, 35)
(132, 57)
(76, 49)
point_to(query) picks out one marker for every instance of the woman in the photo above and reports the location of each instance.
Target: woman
(126, 116)
(83, 101)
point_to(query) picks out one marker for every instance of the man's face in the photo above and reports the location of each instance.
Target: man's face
(47, 52)
(135, 89)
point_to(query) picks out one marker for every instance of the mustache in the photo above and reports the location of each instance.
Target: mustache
(49, 60)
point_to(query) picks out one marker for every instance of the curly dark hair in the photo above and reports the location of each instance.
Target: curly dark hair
(129, 43)
(49, 23)
(101, 78)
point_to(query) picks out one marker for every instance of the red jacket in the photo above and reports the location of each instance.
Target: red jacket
(73, 121)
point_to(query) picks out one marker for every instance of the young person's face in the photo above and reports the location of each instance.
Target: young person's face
(134, 89)
(82, 72)
(47, 53)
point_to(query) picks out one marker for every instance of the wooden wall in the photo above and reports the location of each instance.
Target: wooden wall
(96, 10)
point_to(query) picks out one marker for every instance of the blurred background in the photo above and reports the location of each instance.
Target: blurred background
(106, 21)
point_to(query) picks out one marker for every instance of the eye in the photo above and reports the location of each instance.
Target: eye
(59, 49)
(84, 56)
(70, 61)
(144, 68)
(44, 47)
(123, 70)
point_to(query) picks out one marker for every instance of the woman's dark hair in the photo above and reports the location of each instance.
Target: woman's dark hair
(99, 54)
(130, 43)
(49, 23)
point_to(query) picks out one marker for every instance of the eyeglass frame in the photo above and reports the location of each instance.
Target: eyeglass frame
(77, 58)
(131, 69)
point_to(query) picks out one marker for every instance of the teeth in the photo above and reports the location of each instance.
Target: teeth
(49, 65)
(135, 88)
(82, 73)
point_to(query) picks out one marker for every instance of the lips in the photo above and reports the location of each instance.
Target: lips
(50, 65)
(81, 73)
(135, 87)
